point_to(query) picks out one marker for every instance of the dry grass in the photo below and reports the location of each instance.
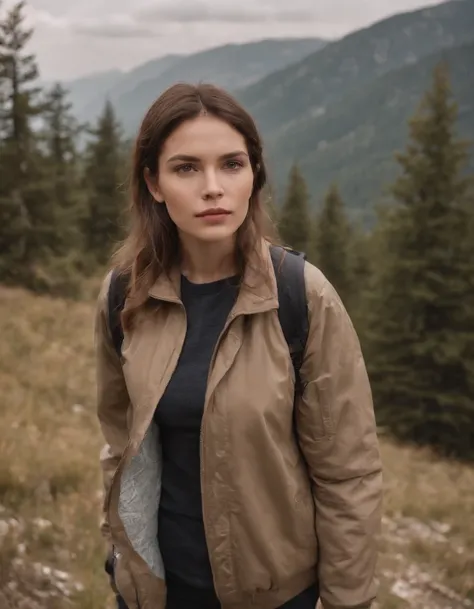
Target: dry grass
(428, 535)
(49, 447)
(51, 554)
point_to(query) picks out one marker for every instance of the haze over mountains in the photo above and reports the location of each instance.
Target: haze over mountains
(339, 109)
(231, 66)
(342, 112)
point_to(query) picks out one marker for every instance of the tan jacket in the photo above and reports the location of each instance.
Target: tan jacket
(279, 513)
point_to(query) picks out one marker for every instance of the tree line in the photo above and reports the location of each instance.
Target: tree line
(408, 282)
(60, 181)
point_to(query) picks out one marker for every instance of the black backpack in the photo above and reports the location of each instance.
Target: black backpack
(293, 312)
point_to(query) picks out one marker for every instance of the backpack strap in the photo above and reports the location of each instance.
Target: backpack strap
(293, 309)
(116, 301)
(288, 265)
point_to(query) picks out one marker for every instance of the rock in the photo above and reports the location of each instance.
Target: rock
(4, 529)
(42, 524)
(61, 575)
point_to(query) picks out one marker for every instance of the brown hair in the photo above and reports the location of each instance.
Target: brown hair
(152, 244)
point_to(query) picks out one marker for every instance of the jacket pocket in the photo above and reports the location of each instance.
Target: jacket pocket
(315, 416)
(124, 582)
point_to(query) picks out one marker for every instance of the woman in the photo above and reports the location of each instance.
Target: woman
(220, 481)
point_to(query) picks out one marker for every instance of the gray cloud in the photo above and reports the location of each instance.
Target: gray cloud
(150, 21)
(112, 29)
(75, 38)
(201, 12)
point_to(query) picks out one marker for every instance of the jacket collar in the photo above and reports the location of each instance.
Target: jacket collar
(258, 292)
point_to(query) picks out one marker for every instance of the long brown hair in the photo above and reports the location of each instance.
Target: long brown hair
(152, 244)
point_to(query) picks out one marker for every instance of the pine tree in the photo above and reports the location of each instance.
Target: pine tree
(59, 137)
(421, 340)
(103, 182)
(62, 272)
(294, 223)
(361, 257)
(332, 242)
(24, 212)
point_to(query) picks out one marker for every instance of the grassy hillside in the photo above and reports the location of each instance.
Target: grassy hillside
(51, 554)
(354, 140)
(321, 79)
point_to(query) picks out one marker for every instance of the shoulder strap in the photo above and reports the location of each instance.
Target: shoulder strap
(116, 301)
(293, 310)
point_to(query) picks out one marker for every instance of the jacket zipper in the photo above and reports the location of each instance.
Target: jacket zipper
(127, 447)
(201, 435)
(118, 471)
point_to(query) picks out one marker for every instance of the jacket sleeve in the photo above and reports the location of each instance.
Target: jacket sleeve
(112, 397)
(337, 434)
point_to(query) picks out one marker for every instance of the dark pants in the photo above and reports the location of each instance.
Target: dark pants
(185, 597)
(182, 596)
(121, 603)
(195, 599)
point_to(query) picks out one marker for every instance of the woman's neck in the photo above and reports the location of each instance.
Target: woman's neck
(203, 262)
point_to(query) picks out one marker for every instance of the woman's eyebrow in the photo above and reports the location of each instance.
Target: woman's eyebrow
(192, 158)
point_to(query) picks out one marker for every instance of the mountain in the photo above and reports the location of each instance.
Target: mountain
(231, 66)
(354, 140)
(342, 112)
(82, 90)
(311, 86)
(93, 103)
(339, 108)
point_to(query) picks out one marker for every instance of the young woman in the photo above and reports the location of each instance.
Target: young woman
(223, 488)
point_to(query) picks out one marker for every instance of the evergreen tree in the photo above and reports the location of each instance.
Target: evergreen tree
(294, 223)
(59, 137)
(332, 242)
(24, 212)
(421, 339)
(103, 183)
(362, 250)
(62, 271)
(360, 258)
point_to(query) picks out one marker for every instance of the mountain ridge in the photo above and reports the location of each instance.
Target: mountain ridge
(356, 59)
(228, 65)
(354, 142)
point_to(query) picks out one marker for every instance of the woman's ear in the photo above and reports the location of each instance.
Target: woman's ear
(152, 185)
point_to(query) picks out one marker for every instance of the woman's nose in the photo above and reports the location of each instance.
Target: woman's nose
(212, 187)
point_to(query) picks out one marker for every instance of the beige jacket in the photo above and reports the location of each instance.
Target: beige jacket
(279, 512)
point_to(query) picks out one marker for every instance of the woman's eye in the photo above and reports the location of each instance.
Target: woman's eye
(186, 168)
(234, 165)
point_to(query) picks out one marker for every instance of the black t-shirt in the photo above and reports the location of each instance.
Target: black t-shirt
(180, 528)
(181, 533)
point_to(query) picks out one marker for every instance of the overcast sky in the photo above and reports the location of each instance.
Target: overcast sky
(73, 38)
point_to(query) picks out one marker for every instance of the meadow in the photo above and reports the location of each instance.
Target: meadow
(51, 551)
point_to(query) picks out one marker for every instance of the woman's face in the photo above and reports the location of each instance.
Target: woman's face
(205, 179)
